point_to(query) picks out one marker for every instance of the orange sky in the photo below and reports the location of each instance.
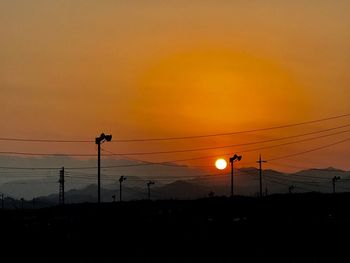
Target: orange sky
(71, 69)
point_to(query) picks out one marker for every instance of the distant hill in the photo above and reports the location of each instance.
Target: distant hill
(28, 189)
(175, 190)
(246, 182)
(311, 180)
(181, 190)
(89, 194)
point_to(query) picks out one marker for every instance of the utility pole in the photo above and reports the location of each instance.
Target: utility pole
(61, 189)
(260, 173)
(121, 180)
(22, 203)
(98, 172)
(232, 160)
(334, 180)
(149, 189)
(2, 201)
(103, 137)
(291, 188)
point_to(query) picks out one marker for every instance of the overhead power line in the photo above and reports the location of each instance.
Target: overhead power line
(240, 144)
(172, 162)
(193, 150)
(244, 151)
(181, 137)
(307, 168)
(285, 184)
(237, 132)
(308, 151)
(226, 154)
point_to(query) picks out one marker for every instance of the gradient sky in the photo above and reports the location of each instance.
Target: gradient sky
(137, 69)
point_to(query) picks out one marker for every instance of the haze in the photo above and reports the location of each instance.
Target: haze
(74, 69)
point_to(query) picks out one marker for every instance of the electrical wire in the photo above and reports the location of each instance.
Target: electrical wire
(188, 150)
(183, 137)
(174, 161)
(308, 151)
(240, 144)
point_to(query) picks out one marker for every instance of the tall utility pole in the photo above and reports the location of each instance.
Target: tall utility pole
(121, 180)
(61, 189)
(232, 160)
(98, 171)
(260, 173)
(149, 189)
(334, 180)
(291, 188)
(103, 137)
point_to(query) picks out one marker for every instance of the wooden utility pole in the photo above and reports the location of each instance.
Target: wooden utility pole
(232, 160)
(121, 180)
(61, 189)
(149, 189)
(334, 180)
(260, 173)
(103, 137)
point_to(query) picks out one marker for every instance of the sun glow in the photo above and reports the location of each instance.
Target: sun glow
(220, 164)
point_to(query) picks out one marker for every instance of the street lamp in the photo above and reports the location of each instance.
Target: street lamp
(103, 137)
(121, 180)
(235, 158)
(334, 180)
(149, 189)
(2, 201)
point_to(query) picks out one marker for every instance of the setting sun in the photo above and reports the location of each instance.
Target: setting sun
(220, 164)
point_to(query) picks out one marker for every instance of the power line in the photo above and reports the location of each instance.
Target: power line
(180, 138)
(138, 160)
(240, 144)
(32, 168)
(245, 151)
(44, 140)
(294, 142)
(47, 154)
(178, 160)
(191, 150)
(284, 184)
(296, 182)
(238, 132)
(304, 178)
(156, 178)
(307, 168)
(308, 151)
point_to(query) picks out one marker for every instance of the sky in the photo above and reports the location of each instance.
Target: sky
(154, 69)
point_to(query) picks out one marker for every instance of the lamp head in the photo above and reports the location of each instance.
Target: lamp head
(236, 157)
(100, 139)
(122, 178)
(150, 182)
(103, 137)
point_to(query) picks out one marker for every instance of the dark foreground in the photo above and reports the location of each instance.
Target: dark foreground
(280, 228)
